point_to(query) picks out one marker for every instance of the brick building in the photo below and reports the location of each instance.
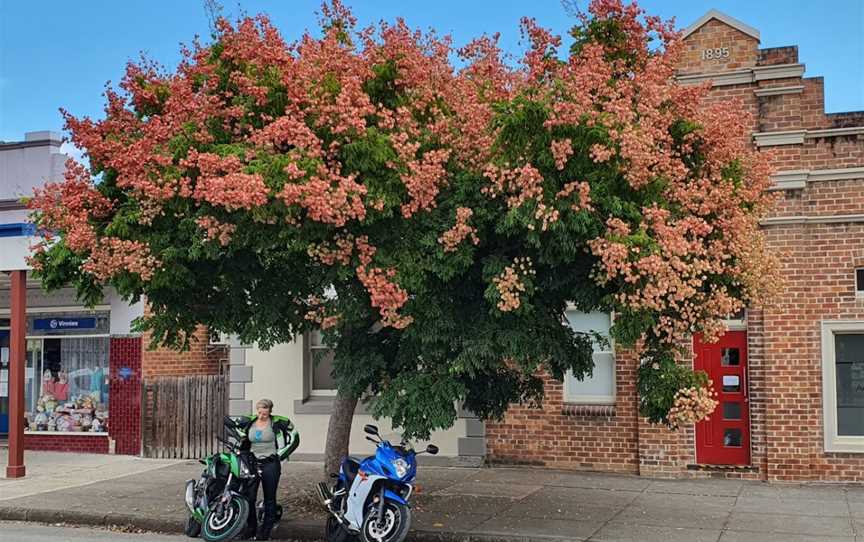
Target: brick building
(791, 377)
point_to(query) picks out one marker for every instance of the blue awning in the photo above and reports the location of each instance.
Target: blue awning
(20, 229)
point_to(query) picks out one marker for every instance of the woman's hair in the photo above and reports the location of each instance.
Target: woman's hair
(266, 403)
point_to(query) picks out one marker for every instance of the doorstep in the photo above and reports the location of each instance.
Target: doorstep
(722, 468)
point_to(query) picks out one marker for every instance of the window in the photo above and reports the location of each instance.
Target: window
(859, 282)
(318, 365)
(66, 384)
(843, 385)
(598, 388)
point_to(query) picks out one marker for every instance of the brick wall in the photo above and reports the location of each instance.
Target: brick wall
(200, 359)
(819, 264)
(125, 395)
(563, 435)
(743, 49)
(784, 341)
(66, 443)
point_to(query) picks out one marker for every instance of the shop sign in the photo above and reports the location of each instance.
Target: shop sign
(59, 324)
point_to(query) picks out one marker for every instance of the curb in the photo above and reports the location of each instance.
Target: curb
(302, 530)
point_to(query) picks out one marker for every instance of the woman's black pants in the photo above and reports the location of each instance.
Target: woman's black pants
(270, 472)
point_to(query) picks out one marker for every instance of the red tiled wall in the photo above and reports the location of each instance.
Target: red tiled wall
(125, 395)
(66, 443)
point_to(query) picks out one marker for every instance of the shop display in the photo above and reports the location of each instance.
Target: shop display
(67, 384)
(84, 412)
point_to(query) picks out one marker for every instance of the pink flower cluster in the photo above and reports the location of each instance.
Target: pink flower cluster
(345, 247)
(385, 295)
(562, 149)
(222, 182)
(462, 229)
(112, 256)
(692, 405)
(511, 284)
(215, 230)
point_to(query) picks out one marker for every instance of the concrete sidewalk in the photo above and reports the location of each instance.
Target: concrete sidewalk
(50, 471)
(492, 504)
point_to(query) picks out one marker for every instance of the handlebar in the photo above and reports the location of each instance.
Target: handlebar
(231, 446)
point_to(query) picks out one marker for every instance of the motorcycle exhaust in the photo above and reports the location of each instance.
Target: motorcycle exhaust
(324, 493)
(327, 496)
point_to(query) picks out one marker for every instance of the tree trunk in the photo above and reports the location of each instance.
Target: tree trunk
(338, 432)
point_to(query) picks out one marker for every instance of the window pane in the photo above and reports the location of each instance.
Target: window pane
(732, 437)
(597, 322)
(731, 383)
(730, 357)
(849, 351)
(70, 384)
(731, 411)
(322, 368)
(599, 385)
(859, 279)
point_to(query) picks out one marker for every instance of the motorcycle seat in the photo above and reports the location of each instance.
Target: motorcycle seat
(350, 466)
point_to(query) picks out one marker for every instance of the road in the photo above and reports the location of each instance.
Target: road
(34, 532)
(13, 531)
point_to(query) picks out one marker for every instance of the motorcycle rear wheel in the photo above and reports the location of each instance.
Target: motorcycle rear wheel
(335, 532)
(193, 528)
(227, 524)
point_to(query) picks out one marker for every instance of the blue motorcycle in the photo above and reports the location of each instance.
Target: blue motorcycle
(370, 496)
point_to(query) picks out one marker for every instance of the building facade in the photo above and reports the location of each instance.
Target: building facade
(84, 366)
(297, 378)
(790, 377)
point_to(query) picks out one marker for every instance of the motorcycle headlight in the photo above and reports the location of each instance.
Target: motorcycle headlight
(244, 470)
(401, 467)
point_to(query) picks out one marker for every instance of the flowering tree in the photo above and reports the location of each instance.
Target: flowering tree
(434, 222)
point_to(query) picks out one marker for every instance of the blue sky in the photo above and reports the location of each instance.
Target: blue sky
(61, 54)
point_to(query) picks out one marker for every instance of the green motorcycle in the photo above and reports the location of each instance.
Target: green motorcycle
(217, 501)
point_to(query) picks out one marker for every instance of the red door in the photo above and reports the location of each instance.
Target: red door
(724, 439)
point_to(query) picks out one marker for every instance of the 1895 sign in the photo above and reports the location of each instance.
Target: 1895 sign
(717, 53)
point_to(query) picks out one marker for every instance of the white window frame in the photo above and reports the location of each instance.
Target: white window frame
(309, 369)
(833, 441)
(859, 288)
(578, 399)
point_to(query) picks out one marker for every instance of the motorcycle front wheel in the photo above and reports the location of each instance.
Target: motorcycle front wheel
(392, 527)
(225, 522)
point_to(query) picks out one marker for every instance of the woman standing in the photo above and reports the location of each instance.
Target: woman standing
(271, 439)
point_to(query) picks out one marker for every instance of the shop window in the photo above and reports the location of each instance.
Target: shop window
(66, 384)
(843, 385)
(318, 365)
(598, 387)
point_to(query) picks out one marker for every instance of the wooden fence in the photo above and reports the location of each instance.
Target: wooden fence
(184, 415)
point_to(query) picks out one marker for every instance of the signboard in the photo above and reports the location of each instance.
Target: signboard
(60, 324)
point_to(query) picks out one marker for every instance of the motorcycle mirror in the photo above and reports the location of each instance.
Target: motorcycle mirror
(371, 429)
(432, 449)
